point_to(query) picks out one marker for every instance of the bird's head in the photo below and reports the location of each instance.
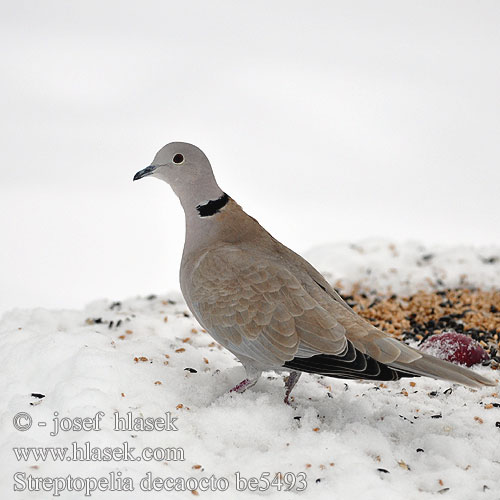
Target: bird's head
(177, 162)
(186, 168)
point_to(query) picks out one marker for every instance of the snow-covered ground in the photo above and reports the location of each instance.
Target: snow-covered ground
(147, 355)
(403, 268)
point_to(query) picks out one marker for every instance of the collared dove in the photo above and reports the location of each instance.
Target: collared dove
(265, 303)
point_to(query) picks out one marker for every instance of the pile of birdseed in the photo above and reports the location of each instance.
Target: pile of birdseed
(473, 312)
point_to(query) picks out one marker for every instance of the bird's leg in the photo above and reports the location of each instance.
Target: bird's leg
(290, 382)
(244, 385)
(253, 375)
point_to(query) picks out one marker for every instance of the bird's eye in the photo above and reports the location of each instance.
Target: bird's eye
(178, 158)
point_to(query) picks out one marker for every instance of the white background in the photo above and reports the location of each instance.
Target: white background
(327, 121)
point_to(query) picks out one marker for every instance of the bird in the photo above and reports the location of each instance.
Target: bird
(265, 303)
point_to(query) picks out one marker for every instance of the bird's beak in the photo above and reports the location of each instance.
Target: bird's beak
(144, 172)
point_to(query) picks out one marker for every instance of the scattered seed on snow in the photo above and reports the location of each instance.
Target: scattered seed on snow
(403, 465)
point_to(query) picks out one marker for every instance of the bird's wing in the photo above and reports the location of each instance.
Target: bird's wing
(256, 307)
(364, 336)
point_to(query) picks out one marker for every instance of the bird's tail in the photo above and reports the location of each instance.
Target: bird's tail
(430, 366)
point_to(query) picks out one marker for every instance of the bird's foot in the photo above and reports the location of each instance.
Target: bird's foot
(290, 382)
(244, 385)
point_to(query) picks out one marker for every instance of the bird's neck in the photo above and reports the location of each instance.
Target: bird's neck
(218, 220)
(201, 208)
(200, 196)
(221, 220)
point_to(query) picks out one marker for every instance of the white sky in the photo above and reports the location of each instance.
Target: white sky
(327, 121)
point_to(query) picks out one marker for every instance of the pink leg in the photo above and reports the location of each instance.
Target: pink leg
(244, 385)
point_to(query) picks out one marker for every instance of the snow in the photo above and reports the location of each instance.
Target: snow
(342, 436)
(405, 267)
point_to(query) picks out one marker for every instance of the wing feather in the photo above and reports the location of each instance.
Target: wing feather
(256, 307)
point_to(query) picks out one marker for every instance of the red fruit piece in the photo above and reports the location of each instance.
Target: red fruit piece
(455, 347)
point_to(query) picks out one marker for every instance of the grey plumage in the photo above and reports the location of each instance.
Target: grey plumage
(265, 303)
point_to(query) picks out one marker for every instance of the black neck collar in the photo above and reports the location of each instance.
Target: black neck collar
(213, 206)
